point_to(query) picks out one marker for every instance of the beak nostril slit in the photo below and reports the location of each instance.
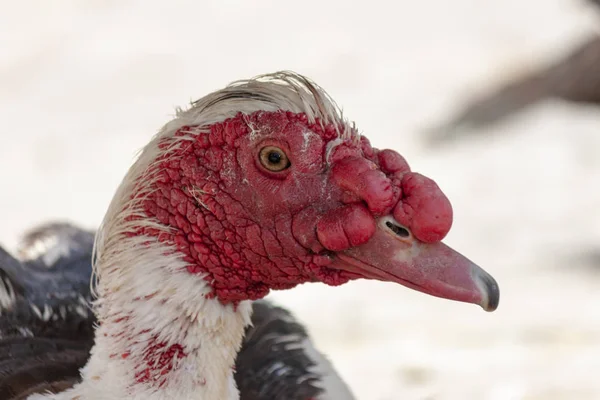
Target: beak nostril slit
(398, 230)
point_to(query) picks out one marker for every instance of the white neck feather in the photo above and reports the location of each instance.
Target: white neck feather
(155, 300)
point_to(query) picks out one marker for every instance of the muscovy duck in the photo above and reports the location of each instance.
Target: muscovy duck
(261, 185)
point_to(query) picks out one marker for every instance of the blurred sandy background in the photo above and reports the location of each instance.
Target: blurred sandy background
(84, 84)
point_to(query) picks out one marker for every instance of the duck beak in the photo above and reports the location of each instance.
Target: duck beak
(393, 254)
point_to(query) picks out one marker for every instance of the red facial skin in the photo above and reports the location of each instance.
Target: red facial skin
(250, 229)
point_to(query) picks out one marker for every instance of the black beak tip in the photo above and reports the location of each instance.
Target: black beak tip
(492, 292)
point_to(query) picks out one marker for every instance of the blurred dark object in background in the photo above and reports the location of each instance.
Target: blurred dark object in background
(574, 78)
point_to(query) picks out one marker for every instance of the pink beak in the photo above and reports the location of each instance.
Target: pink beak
(393, 254)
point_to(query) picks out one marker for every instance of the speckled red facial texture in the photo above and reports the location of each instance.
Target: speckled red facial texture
(251, 230)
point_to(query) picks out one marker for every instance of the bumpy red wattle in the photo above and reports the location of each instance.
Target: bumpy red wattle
(424, 208)
(391, 162)
(346, 227)
(363, 179)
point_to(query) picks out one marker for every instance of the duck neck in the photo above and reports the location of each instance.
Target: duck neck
(161, 335)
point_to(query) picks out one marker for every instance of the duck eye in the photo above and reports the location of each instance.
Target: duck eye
(274, 159)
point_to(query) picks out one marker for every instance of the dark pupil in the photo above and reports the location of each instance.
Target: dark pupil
(274, 157)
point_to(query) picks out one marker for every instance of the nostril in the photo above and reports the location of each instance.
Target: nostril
(397, 229)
